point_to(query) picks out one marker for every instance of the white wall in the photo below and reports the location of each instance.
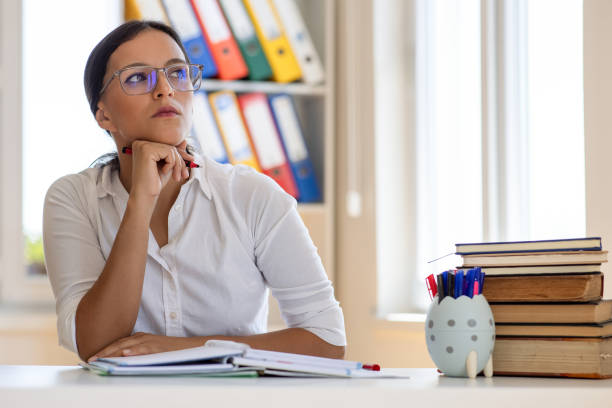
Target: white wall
(598, 124)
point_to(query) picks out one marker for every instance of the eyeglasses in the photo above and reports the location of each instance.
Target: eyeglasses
(142, 80)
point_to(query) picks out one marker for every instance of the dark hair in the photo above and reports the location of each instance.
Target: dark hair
(98, 61)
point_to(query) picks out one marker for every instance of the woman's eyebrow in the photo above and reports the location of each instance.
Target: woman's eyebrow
(142, 64)
(175, 61)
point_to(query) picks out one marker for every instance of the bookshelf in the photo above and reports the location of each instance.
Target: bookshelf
(315, 107)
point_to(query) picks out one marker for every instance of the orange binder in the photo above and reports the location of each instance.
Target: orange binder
(266, 140)
(219, 37)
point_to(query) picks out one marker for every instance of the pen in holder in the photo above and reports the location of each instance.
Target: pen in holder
(460, 335)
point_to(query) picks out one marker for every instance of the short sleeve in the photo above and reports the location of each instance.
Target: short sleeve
(73, 256)
(291, 266)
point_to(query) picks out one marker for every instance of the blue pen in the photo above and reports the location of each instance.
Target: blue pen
(458, 284)
(470, 279)
(445, 282)
(481, 281)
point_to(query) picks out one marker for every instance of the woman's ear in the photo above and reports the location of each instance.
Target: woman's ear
(104, 121)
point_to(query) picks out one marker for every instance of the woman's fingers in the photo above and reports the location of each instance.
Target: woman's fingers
(182, 149)
(115, 349)
(138, 350)
(168, 157)
(179, 165)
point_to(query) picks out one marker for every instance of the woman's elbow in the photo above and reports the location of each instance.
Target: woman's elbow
(337, 352)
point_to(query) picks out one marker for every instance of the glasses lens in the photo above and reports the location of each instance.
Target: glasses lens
(196, 76)
(138, 80)
(179, 77)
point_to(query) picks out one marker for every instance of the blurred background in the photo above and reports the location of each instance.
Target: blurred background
(434, 122)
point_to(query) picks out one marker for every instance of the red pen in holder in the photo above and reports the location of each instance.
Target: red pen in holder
(432, 288)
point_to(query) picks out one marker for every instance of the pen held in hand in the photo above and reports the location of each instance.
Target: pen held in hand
(189, 164)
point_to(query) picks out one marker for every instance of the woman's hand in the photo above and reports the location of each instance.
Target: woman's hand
(144, 343)
(152, 166)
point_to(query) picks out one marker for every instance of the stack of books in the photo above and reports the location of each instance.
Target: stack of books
(546, 298)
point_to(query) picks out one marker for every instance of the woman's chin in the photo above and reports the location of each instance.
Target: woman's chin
(170, 137)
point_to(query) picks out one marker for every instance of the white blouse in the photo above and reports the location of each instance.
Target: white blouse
(232, 234)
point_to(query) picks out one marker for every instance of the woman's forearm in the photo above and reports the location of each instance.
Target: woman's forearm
(109, 309)
(294, 340)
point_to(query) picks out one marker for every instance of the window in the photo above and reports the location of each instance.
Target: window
(489, 142)
(59, 133)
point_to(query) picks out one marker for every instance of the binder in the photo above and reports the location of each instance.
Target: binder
(205, 129)
(285, 67)
(224, 49)
(300, 40)
(292, 137)
(145, 10)
(184, 22)
(245, 36)
(233, 130)
(266, 140)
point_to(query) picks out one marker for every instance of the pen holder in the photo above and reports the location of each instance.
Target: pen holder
(460, 335)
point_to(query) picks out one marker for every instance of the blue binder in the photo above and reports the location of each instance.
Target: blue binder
(288, 125)
(181, 16)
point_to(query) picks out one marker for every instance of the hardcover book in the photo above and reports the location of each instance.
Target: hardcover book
(553, 357)
(575, 244)
(538, 288)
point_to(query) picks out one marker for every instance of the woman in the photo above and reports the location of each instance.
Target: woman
(147, 255)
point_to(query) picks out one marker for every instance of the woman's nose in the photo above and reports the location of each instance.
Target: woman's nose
(162, 87)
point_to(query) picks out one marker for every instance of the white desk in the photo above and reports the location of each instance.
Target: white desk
(56, 386)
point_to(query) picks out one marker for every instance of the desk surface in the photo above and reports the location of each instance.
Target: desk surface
(64, 386)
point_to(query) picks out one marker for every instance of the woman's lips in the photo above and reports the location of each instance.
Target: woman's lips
(166, 114)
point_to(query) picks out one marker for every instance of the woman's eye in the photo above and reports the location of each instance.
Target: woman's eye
(178, 74)
(136, 77)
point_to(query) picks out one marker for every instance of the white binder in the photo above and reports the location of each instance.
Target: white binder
(205, 129)
(300, 40)
(146, 10)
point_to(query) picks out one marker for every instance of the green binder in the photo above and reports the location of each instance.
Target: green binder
(244, 33)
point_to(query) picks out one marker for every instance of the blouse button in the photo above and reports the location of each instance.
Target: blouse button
(173, 315)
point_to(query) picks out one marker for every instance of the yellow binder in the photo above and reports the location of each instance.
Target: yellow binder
(271, 35)
(224, 105)
(145, 10)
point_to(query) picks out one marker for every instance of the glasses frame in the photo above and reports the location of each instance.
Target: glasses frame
(164, 69)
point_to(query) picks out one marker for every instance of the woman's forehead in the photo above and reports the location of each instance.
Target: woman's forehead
(150, 47)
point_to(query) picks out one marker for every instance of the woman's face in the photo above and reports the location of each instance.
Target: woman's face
(134, 117)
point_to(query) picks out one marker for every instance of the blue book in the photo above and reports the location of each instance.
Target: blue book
(183, 20)
(553, 245)
(292, 138)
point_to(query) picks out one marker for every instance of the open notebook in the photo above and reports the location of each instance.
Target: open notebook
(227, 358)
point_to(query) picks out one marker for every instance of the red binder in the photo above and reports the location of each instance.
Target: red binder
(266, 140)
(219, 37)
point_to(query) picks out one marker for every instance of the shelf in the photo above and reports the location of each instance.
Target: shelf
(297, 88)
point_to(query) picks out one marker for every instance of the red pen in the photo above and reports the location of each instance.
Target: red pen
(431, 286)
(372, 367)
(190, 164)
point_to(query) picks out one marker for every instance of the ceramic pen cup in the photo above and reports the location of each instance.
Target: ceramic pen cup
(460, 335)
